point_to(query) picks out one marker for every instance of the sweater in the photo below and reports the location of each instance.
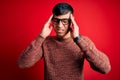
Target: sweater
(64, 58)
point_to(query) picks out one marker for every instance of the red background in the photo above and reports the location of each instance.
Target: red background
(21, 21)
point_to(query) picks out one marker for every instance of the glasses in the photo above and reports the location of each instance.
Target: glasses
(64, 21)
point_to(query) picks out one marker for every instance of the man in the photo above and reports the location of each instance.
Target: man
(64, 54)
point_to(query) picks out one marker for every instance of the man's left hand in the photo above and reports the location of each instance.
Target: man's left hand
(74, 28)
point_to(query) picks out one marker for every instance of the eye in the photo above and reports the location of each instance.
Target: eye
(65, 21)
(55, 20)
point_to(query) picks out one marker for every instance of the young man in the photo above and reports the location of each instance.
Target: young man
(64, 54)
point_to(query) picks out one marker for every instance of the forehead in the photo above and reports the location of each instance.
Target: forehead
(63, 16)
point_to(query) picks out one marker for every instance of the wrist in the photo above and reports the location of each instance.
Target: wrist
(42, 35)
(77, 38)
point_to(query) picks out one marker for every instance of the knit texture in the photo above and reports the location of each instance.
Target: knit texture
(64, 59)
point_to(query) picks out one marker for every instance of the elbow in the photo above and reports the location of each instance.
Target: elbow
(106, 70)
(23, 65)
(103, 70)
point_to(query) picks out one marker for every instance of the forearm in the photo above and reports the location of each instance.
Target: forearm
(32, 53)
(98, 60)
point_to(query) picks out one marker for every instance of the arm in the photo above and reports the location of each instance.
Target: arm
(34, 51)
(97, 59)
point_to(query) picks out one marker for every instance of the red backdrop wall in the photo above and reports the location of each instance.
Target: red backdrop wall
(22, 20)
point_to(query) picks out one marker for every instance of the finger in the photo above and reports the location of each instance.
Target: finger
(51, 27)
(71, 27)
(72, 19)
(49, 20)
(48, 23)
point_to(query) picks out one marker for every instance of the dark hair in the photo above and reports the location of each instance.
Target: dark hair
(62, 8)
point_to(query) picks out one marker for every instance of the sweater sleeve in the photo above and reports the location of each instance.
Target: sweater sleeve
(97, 59)
(32, 53)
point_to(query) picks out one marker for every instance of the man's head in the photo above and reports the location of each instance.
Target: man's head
(61, 18)
(62, 8)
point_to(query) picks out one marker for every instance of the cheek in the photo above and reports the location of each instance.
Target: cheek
(66, 28)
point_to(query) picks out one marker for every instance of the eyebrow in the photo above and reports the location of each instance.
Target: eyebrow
(61, 19)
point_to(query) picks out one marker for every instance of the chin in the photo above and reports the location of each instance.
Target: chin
(60, 35)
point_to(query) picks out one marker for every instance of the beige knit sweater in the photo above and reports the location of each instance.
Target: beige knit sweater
(64, 59)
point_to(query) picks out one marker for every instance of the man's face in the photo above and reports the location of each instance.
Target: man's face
(61, 24)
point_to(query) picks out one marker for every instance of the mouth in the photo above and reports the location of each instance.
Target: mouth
(60, 30)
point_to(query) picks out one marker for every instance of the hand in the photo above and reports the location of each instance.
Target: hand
(74, 28)
(47, 28)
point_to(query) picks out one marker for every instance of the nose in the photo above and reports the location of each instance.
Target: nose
(60, 24)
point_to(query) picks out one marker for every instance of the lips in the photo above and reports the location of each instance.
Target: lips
(60, 30)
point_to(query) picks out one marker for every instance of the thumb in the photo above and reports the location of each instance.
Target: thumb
(51, 27)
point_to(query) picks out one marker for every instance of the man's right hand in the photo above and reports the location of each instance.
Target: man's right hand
(47, 28)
